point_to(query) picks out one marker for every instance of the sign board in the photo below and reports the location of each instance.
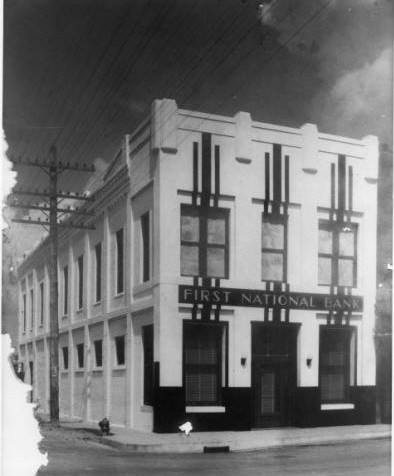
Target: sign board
(269, 299)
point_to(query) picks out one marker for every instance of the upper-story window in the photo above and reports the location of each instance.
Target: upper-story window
(42, 299)
(24, 311)
(80, 281)
(337, 254)
(98, 254)
(32, 309)
(145, 247)
(204, 242)
(273, 252)
(119, 261)
(65, 290)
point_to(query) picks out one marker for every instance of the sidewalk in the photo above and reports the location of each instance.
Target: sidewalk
(197, 442)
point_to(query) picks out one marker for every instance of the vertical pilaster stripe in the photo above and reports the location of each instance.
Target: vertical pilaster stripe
(277, 164)
(341, 187)
(206, 169)
(195, 173)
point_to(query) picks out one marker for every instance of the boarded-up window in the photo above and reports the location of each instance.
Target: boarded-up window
(273, 248)
(204, 242)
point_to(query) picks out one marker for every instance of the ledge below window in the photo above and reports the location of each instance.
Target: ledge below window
(337, 406)
(205, 409)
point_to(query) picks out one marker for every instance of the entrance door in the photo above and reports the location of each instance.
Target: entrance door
(274, 373)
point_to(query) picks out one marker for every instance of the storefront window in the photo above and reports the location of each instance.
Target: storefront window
(337, 254)
(204, 242)
(203, 361)
(273, 249)
(337, 364)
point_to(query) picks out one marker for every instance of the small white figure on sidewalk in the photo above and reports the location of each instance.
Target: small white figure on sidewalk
(186, 428)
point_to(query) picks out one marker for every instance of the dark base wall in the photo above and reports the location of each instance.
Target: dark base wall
(307, 411)
(169, 410)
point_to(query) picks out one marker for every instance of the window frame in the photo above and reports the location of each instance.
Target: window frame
(96, 353)
(221, 365)
(145, 227)
(335, 257)
(65, 360)
(148, 364)
(80, 293)
(79, 346)
(277, 220)
(24, 310)
(65, 290)
(42, 301)
(98, 253)
(204, 214)
(116, 350)
(350, 374)
(32, 309)
(120, 248)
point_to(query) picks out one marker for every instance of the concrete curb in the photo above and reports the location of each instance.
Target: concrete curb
(236, 445)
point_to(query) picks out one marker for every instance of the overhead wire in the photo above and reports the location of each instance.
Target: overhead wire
(39, 143)
(230, 49)
(277, 50)
(122, 23)
(200, 59)
(310, 19)
(259, 67)
(82, 91)
(140, 48)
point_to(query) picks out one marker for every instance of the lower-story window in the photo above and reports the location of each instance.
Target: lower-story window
(204, 359)
(65, 358)
(147, 342)
(337, 363)
(80, 356)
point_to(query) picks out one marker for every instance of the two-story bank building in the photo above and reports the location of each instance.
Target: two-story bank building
(229, 281)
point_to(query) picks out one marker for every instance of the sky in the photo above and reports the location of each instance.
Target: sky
(80, 74)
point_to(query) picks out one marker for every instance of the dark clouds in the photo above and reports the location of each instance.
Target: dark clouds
(81, 73)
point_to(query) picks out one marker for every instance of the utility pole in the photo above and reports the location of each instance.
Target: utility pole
(53, 168)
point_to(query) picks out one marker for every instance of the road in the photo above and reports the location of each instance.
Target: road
(367, 457)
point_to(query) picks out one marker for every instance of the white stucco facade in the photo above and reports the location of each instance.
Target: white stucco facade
(178, 158)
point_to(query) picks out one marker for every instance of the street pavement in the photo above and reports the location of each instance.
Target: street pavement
(81, 456)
